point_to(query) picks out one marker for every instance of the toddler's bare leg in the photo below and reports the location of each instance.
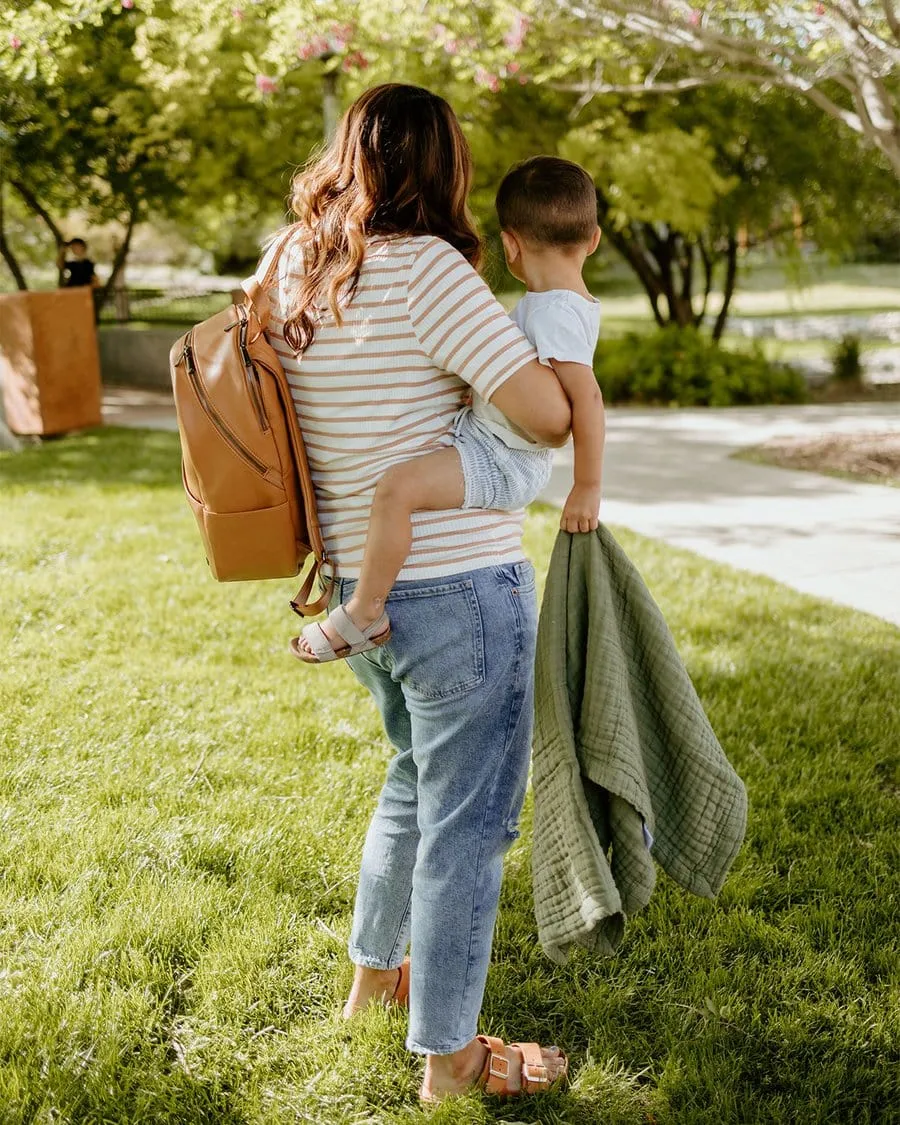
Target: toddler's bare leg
(428, 483)
(432, 482)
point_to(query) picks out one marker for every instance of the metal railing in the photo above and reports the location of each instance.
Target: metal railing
(163, 306)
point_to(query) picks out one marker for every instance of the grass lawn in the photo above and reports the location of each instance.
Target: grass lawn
(184, 805)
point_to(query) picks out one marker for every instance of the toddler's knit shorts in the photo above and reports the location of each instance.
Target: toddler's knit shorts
(496, 475)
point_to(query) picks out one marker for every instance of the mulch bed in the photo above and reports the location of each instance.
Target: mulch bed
(869, 456)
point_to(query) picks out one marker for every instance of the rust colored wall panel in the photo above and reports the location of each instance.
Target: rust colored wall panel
(50, 361)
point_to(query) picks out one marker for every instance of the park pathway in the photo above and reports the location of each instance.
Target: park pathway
(669, 474)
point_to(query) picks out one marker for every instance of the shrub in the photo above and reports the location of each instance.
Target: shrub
(846, 361)
(680, 367)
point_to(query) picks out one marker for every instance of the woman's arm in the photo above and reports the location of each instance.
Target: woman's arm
(534, 400)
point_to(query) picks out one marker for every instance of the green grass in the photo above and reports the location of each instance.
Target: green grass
(183, 808)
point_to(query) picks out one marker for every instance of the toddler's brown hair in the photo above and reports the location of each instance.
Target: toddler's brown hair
(549, 200)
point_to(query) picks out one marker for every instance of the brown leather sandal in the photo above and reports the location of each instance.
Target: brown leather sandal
(401, 992)
(501, 1058)
(400, 995)
(494, 1078)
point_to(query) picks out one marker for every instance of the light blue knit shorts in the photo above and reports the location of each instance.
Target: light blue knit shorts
(497, 476)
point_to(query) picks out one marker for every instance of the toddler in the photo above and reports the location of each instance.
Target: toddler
(548, 218)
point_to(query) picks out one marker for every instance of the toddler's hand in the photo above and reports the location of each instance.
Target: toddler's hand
(581, 508)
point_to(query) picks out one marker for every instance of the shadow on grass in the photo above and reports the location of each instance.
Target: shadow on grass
(111, 457)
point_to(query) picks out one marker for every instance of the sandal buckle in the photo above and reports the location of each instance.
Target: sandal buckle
(494, 1073)
(530, 1073)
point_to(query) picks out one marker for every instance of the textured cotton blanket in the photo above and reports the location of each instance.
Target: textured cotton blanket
(627, 768)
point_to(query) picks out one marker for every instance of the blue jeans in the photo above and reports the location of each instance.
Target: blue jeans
(455, 687)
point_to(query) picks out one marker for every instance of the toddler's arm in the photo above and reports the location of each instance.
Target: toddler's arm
(580, 512)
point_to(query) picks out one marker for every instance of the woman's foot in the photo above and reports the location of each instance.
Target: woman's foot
(451, 1075)
(362, 616)
(381, 985)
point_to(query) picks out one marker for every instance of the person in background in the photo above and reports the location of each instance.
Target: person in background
(77, 267)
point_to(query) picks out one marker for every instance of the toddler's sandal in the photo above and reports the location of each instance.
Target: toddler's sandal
(357, 640)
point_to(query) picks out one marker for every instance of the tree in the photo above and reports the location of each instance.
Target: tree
(86, 128)
(842, 55)
(123, 112)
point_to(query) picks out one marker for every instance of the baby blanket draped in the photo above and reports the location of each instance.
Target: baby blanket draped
(627, 769)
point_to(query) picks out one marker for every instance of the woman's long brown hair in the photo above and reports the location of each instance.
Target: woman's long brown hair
(399, 165)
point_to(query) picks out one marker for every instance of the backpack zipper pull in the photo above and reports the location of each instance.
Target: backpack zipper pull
(187, 356)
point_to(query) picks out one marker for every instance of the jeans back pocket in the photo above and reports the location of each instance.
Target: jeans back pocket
(437, 643)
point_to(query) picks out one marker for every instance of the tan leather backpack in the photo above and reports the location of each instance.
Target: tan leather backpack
(244, 463)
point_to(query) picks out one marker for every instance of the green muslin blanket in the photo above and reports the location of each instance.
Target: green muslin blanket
(627, 769)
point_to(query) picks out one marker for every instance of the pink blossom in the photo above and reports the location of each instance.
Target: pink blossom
(438, 32)
(127, 5)
(15, 42)
(513, 67)
(515, 37)
(356, 59)
(451, 46)
(490, 81)
(820, 9)
(265, 84)
(316, 47)
(237, 13)
(523, 79)
(695, 17)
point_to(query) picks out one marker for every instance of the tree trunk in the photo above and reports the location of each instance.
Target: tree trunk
(119, 259)
(706, 258)
(6, 250)
(636, 255)
(330, 105)
(731, 270)
(35, 204)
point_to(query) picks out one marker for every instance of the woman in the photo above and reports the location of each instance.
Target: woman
(383, 325)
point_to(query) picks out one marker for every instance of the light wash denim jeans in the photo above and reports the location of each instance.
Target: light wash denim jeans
(455, 687)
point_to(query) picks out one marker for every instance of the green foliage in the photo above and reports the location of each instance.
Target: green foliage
(661, 174)
(184, 808)
(846, 360)
(679, 367)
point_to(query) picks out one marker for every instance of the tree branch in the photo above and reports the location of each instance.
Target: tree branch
(37, 207)
(119, 259)
(892, 18)
(855, 68)
(6, 250)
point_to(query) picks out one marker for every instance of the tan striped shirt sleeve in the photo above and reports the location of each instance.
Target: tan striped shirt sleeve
(459, 323)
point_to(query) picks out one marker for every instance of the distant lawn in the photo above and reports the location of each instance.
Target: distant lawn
(183, 810)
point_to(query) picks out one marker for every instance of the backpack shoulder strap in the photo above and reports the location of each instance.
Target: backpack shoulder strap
(258, 284)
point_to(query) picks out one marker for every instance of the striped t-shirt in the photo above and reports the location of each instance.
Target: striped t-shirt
(385, 386)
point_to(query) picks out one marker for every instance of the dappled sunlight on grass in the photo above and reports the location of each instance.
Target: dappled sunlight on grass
(184, 805)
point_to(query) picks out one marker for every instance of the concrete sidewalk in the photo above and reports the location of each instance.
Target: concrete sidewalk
(669, 474)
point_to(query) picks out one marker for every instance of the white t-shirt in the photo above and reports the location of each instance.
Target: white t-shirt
(563, 326)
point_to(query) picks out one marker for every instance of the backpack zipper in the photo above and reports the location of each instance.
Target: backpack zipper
(215, 417)
(250, 372)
